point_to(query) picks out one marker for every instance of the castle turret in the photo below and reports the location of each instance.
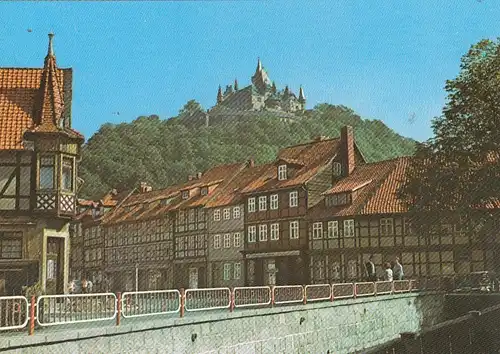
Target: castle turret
(236, 84)
(302, 98)
(220, 98)
(260, 79)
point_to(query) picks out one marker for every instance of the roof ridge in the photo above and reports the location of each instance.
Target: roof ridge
(312, 142)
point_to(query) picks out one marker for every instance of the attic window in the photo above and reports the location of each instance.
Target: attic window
(339, 199)
(204, 191)
(282, 172)
(337, 169)
(165, 201)
(185, 194)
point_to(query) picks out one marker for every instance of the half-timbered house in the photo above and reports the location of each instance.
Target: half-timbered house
(39, 153)
(277, 202)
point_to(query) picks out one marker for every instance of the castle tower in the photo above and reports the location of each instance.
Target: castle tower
(236, 84)
(260, 79)
(302, 98)
(220, 98)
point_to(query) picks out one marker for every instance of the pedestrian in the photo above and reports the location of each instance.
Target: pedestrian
(71, 287)
(398, 270)
(89, 286)
(370, 270)
(84, 285)
(387, 272)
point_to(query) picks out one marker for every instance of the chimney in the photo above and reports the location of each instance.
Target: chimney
(198, 175)
(144, 187)
(190, 178)
(320, 138)
(347, 149)
(251, 163)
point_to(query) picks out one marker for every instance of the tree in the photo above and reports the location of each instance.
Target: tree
(457, 172)
(190, 108)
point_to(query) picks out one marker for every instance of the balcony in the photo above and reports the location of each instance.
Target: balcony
(56, 203)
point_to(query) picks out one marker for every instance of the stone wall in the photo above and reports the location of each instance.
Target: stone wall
(344, 326)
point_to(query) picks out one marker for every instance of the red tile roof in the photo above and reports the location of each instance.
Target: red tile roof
(377, 185)
(310, 157)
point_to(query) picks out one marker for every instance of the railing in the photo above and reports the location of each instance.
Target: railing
(207, 299)
(14, 312)
(318, 292)
(252, 296)
(288, 294)
(51, 310)
(61, 309)
(148, 303)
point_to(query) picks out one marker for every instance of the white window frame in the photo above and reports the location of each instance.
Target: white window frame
(282, 172)
(251, 205)
(263, 203)
(337, 169)
(275, 232)
(227, 241)
(237, 239)
(185, 194)
(252, 233)
(386, 227)
(216, 242)
(227, 213)
(294, 230)
(333, 229)
(293, 199)
(262, 232)
(236, 212)
(204, 191)
(273, 202)
(237, 270)
(349, 229)
(217, 215)
(317, 231)
(227, 271)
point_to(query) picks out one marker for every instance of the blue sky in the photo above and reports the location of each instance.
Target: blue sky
(387, 60)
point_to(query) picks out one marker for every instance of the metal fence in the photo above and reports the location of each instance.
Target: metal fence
(252, 296)
(288, 294)
(207, 299)
(148, 303)
(364, 289)
(343, 290)
(401, 286)
(62, 309)
(14, 312)
(383, 287)
(318, 292)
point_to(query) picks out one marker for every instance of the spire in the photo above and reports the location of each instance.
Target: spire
(219, 95)
(259, 66)
(273, 88)
(286, 93)
(302, 98)
(49, 106)
(236, 84)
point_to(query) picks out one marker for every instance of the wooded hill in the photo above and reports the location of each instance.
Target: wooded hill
(164, 152)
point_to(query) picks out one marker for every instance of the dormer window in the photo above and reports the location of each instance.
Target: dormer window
(47, 171)
(282, 175)
(204, 191)
(337, 169)
(185, 194)
(339, 199)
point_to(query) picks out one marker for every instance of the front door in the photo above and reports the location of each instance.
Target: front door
(193, 278)
(54, 266)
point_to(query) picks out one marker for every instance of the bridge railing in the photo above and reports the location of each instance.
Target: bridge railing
(54, 310)
(207, 299)
(318, 292)
(343, 290)
(288, 294)
(383, 287)
(364, 289)
(148, 303)
(14, 312)
(252, 296)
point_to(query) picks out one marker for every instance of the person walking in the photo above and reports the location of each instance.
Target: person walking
(397, 270)
(84, 285)
(388, 272)
(370, 270)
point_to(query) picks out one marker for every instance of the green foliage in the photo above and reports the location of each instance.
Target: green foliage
(456, 170)
(163, 152)
(34, 290)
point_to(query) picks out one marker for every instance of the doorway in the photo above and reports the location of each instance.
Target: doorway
(55, 262)
(193, 278)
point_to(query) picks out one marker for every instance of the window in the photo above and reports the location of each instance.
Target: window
(262, 203)
(262, 232)
(275, 231)
(282, 172)
(317, 230)
(386, 227)
(339, 199)
(251, 205)
(185, 194)
(237, 271)
(216, 214)
(236, 212)
(237, 239)
(273, 202)
(227, 271)
(294, 229)
(191, 215)
(67, 174)
(294, 199)
(227, 214)
(216, 241)
(337, 169)
(204, 191)
(11, 245)
(407, 226)
(46, 172)
(349, 228)
(227, 240)
(252, 233)
(333, 229)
